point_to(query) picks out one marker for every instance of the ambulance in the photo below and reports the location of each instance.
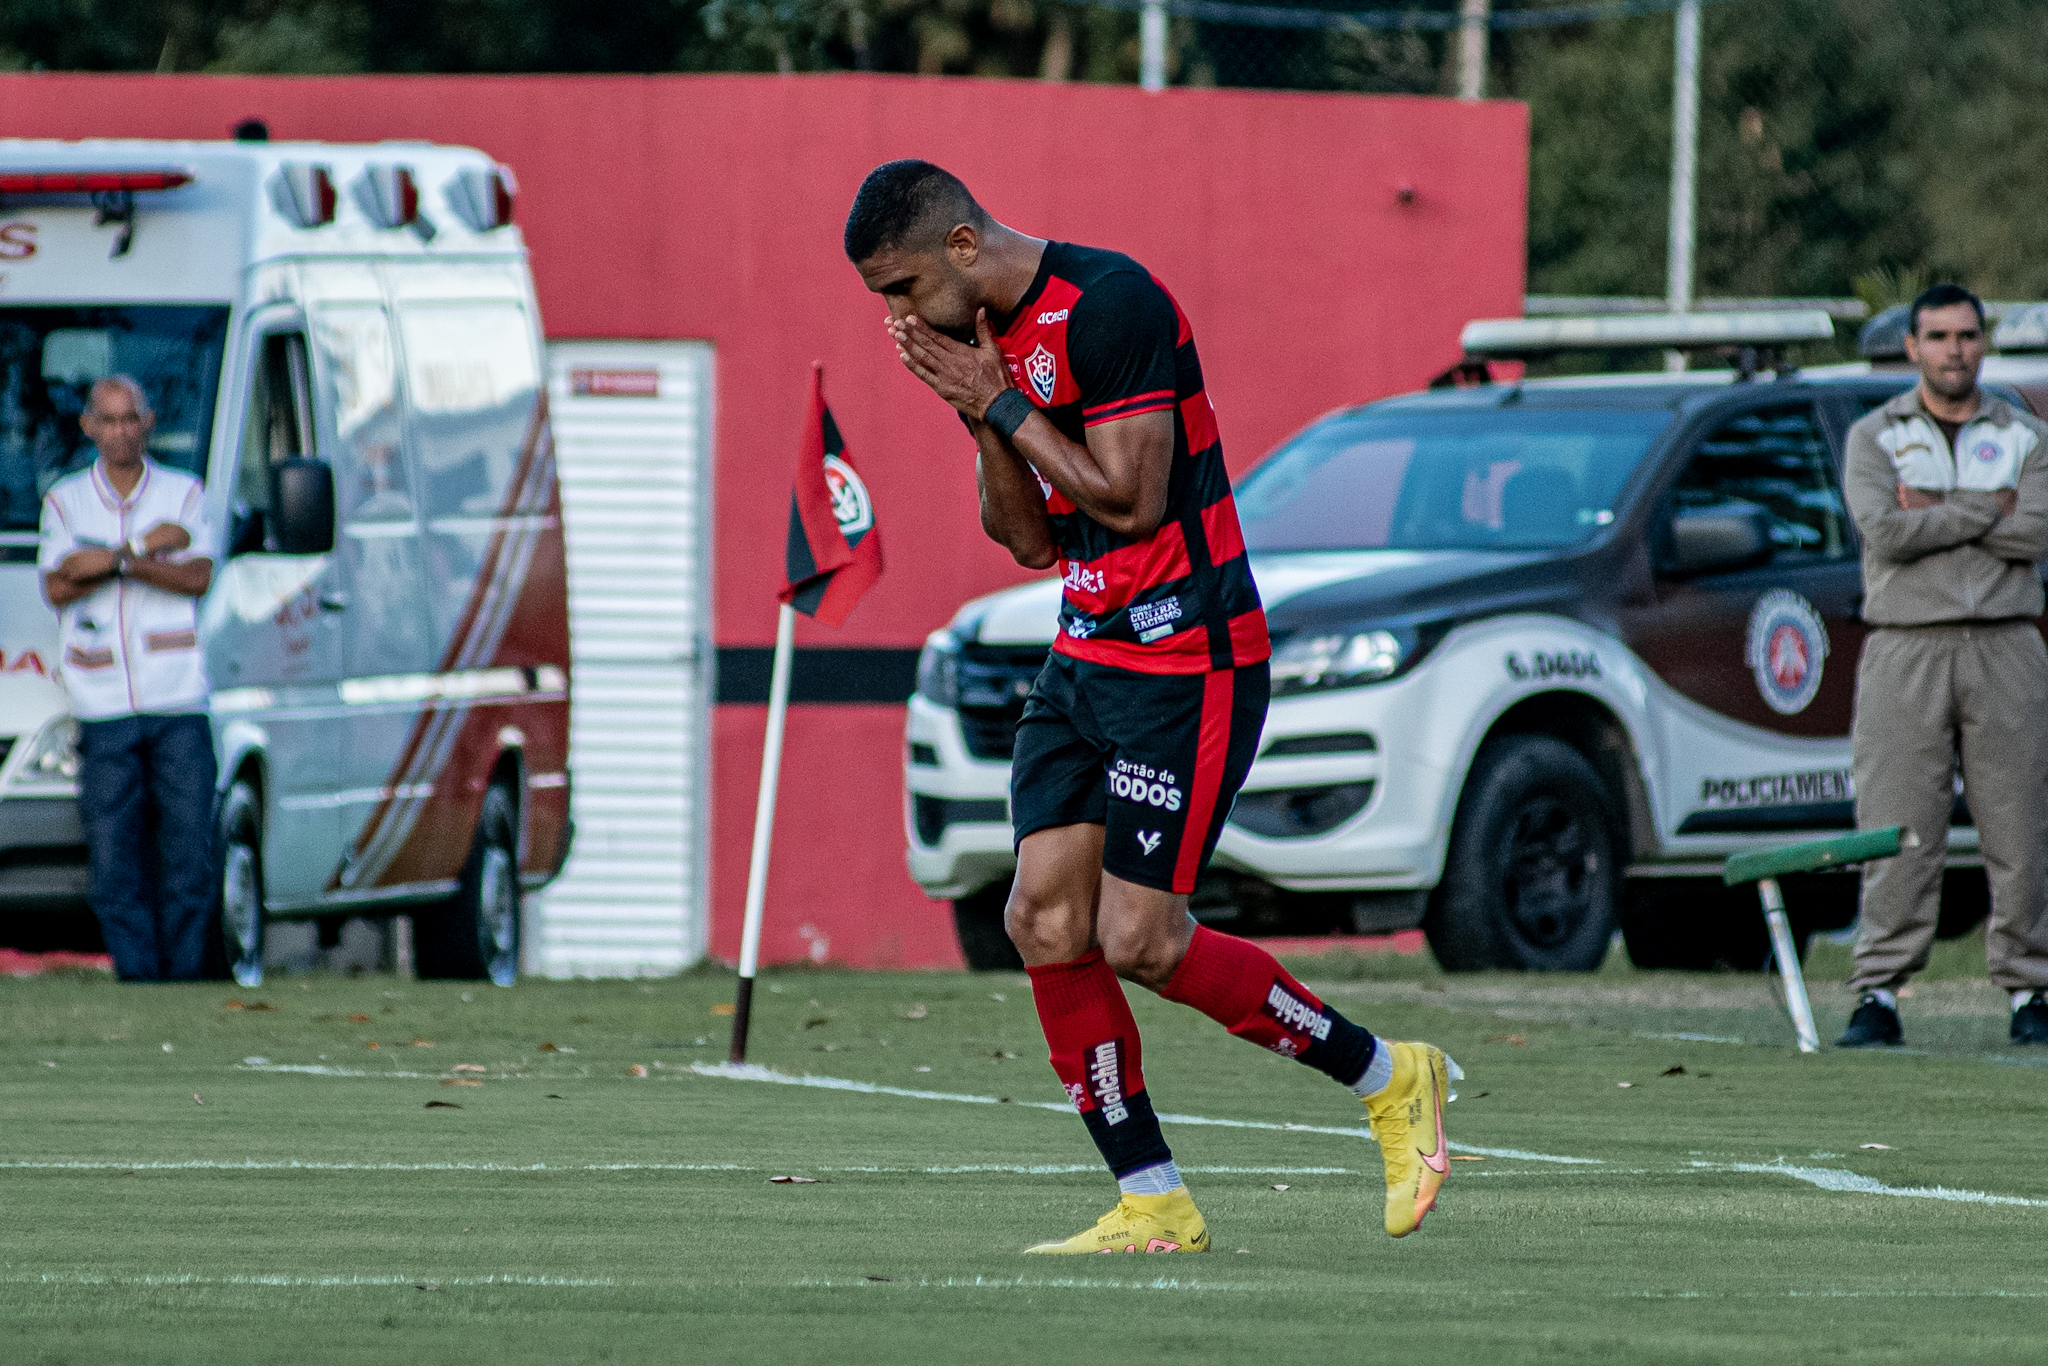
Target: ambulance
(1545, 653)
(342, 341)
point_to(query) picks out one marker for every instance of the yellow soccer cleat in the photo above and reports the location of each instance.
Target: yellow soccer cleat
(1141, 1223)
(1408, 1121)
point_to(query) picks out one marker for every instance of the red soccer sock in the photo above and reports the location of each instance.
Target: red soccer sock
(1243, 988)
(1093, 1040)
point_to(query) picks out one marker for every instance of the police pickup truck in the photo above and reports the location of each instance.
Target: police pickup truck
(1545, 653)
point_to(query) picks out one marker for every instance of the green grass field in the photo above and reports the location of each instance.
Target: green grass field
(570, 1210)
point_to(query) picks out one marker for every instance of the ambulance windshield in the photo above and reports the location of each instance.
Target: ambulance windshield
(49, 357)
(1445, 479)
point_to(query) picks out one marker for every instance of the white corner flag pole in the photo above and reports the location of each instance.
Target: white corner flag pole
(764, 828)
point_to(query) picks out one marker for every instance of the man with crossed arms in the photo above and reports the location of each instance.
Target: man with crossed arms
(1949, 488)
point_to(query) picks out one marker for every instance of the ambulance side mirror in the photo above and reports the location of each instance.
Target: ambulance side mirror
(1723, 537)
(301, 507)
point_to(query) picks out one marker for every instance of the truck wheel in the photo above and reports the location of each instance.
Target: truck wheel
(1532, 874)
(475, 933)
(241, 884)
(978, 920)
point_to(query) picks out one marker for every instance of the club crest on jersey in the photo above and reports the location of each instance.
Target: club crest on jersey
(1987, 451)
(1042, 371)
(850, 505)
(1788, 643)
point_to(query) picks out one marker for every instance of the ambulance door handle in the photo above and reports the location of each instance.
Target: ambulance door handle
(334, 602)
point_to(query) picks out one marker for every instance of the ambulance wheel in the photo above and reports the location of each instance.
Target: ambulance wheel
(474, 935)
(1533, 872)
(241, 884)
(978, 920)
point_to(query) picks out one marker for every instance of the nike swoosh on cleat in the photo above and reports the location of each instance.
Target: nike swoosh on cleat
(1436, 1161)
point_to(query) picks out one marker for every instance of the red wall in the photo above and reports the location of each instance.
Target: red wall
(711, 206)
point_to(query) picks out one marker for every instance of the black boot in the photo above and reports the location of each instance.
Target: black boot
(2030, 1021)
(1876, 1025)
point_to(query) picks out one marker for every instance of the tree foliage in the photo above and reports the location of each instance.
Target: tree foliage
(1844, 144)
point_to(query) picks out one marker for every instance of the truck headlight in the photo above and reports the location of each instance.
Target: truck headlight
(1316, 663)
(938, 669)
(52, 757)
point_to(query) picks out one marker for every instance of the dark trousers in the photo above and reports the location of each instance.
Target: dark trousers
(145, 795)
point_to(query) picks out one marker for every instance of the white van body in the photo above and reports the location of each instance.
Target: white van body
(390, 712)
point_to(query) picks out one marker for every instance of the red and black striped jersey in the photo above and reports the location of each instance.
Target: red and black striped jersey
(1097, 338)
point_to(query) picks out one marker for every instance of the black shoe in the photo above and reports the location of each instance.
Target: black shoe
(2030, 1021)
(1876, 1025)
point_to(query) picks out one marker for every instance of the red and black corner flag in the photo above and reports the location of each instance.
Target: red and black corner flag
(834, 553)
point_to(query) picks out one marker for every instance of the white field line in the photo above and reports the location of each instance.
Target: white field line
(305, 1282)
(255, 1165)
(753, 1072)
(1834, 1179)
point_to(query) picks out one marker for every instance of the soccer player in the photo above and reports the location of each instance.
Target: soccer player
(1076, 373)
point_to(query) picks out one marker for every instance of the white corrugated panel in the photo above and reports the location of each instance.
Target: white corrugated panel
(636, 503)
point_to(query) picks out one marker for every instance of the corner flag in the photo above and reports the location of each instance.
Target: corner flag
(834, 551)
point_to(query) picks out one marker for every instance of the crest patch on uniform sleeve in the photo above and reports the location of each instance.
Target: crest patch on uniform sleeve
(1788, 643)
(1043, 372)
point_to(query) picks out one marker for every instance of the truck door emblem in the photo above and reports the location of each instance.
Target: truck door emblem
(1788, 644)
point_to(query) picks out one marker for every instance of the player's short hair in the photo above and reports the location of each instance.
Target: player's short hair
(1941, 296)
(910, 205)
(128, 383)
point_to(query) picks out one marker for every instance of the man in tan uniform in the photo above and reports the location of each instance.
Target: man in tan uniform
(1949, 488)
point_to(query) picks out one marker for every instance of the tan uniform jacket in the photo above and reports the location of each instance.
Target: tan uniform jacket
(1959, 561)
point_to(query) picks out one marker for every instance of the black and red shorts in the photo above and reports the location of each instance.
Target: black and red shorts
(1155, 759)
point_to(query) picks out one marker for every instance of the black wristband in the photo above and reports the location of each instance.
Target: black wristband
(1008, 412)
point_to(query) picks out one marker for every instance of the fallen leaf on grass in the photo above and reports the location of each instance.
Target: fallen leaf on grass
(924, 1069)
(916, 1012)
(1516, 1039)
(794, 1181)
(425, 1285)
(1465, 1157)
(723, 1008)
(1281, 1188)
(879, 1278)
(1624, 1085)
(442, 1105)
(358, 1019)
(248, 1005)
(1244, 1249)
(1880, 1147)
(422, 1043)
(638, 1069)
(555, 1048)
(552, 1096)
(373, 1044)
(468, 1067)
(461, 1081)
(815, 1021)
(196, 1100)
(1677, 1071)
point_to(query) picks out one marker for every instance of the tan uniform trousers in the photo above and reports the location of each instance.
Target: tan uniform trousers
(1923, 694)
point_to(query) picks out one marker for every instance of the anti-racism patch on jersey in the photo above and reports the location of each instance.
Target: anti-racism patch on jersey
(1788, 644)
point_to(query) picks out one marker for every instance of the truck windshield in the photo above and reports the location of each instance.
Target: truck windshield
(1446, 480)
(49, 357)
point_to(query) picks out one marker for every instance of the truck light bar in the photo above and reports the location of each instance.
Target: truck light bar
(304, 194)
(483, 198)
(1520, 338)
(90, 182)
(2023, 328)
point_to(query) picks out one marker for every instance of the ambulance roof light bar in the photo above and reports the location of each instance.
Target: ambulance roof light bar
(389, 196)
(111, 189)
(1754, 339)
(39, 182)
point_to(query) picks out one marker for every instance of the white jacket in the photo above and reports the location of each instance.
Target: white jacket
(127, 648)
